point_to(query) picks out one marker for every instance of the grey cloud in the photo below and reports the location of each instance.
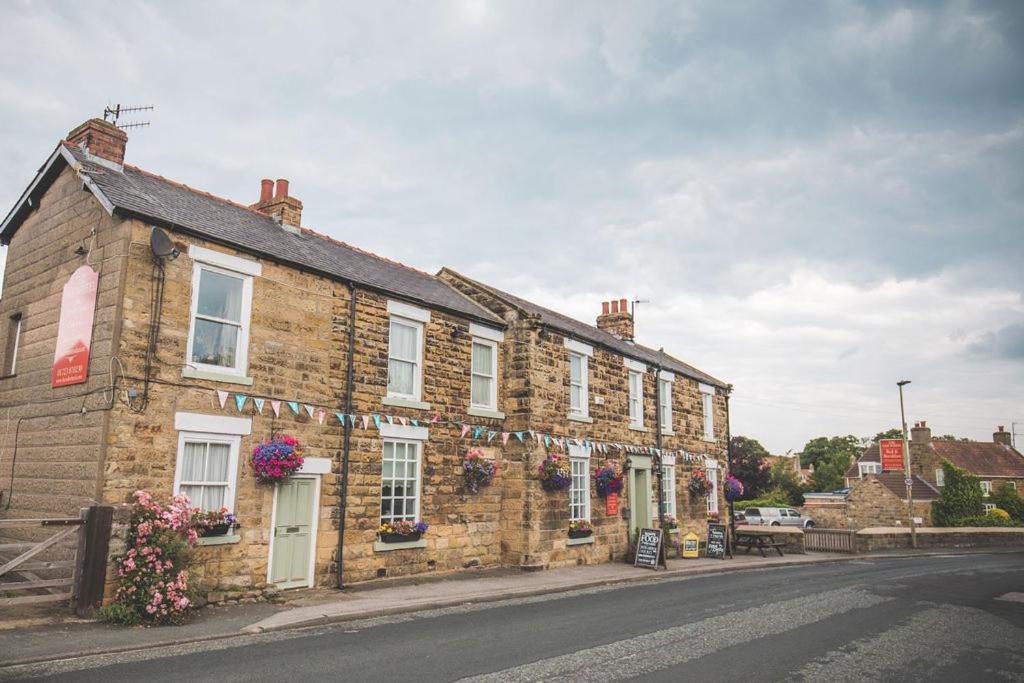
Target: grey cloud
(1006, 342)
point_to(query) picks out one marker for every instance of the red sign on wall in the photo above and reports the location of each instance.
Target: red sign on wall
(74, 333)
(611, 504)
(892, 454)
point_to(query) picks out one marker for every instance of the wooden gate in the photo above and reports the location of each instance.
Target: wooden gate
(829, 540)
(79, 579)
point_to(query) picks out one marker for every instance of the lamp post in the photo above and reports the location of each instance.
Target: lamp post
(906, 467)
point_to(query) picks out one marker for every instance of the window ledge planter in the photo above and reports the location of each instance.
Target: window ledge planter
(580, 541)
(399, 538)
(580, 534)
(216, 530)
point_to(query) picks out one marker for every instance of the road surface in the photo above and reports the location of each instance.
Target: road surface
(952, 618)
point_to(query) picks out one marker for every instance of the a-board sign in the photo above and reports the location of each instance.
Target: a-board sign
(648, 548)
(691, 546)
(716, 541)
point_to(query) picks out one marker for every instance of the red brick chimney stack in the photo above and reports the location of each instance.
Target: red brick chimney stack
(616, 319)
(921, 433)
(100, 139)
(1002, 436)
(275, 201)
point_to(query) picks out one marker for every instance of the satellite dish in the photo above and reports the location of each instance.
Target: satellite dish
(161, 244)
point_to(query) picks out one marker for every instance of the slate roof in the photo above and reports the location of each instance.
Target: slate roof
(982, 458)
(151, 197)
(870, 454)
(592, 334)
(921, 489)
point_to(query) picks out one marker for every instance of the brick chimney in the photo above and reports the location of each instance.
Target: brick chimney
(921, 433)
(616, 319)
(275, 201)
(1002, 436)
(100, 139)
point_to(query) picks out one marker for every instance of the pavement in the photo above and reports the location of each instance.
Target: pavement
(936, 617)
(77, 638)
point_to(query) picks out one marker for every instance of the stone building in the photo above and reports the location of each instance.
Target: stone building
(244, 324)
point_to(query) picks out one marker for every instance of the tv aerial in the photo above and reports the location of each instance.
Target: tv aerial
(162, 245)
(113, 115)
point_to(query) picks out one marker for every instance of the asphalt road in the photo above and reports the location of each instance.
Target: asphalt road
(950, 618)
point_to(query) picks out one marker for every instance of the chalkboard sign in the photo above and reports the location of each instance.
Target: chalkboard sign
(648, 549)
(716, 541)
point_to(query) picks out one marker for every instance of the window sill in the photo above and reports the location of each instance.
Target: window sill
(486, 412)
(225, 377)
(674, 531)
(667, 432)
(638, 428)
(380, 547)
(579, 541)
(710, 439)
(228, 539)
(580, 418)
(404, 403)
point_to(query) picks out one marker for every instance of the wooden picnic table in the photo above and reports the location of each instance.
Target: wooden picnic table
(762, 539)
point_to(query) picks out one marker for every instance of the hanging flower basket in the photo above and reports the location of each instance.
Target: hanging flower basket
(555, 473)
(477, 470)
(607, 480)
(212, 523)
(699, 485)
(580, 529)
(733, 489)
(401, 531)
(277, 459)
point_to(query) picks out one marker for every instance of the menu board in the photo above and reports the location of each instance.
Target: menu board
(716, 541)
(648, 548)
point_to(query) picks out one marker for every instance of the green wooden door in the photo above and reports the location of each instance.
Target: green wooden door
(293, 533)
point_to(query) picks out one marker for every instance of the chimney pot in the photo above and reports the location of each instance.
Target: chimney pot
(615, 307)
(282, 188)
(622, 306)
(604, 307)
(266, 190)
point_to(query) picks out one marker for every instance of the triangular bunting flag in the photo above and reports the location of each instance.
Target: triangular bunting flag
(376, 421)
(341, 418)
(477, 431)
(240, 400)
(491, 435)
(391, 420)
(465, 430)
(404, 421)
(436, 418)
(366, 421)
(504, 438)
(276, 406)
(258, 402)
(415, 423)
(309, 409)
(352, 419)
(519, 435)
(547, 441)
(294, 405)
(320, 414)
(222, 396)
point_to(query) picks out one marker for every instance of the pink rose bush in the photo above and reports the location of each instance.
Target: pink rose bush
(153, 573)
(277, 459)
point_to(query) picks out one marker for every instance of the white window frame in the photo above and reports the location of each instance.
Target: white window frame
(986, 488)
(13, 351)
(869, 468)
(582, 410)
(668, 484)
(417, 373)
(635, 379)
(665, 381)
(233, 441)
(988, 506)
(579, 458)
(229, 266)
(492, 398)
(707, 402)
(711, 470)
(1012, 485)
(407, 442)
(940, 477)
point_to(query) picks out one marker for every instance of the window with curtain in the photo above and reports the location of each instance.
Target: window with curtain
(712, 473)
(940, 477)
(484, 363)
(665, 405)
(220, 318)
(578, 399)
(579, 490)
(404, 355)
(708, 408)
(636, 399)
(400, 481)
(668, 493)
(206, 470)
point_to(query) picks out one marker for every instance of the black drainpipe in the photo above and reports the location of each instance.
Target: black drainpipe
(347, 443)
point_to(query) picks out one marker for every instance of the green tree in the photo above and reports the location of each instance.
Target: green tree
(749, 466)
(894, 433)
(1006, 498)
(831, 457)
(960, 498)
(783, 478)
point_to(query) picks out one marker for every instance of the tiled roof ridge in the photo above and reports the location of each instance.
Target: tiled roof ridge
(328, 238)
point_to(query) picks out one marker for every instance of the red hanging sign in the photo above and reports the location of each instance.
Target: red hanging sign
(74, 332)
(611, 504)
(892, 454)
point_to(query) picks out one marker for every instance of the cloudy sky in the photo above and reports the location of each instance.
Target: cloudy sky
(817, 199)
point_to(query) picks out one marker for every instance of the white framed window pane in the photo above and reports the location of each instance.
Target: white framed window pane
(213, 497)
(400, 376)
(712, 475)
(668, 493)
(218, 457)
(709, 417)
(403, 341)
(575, 368)
(483, 359)
(214, 343)
(399, 481)
(579, 489)
(193, 462)
(481, 390)
(576, 398)
(220, 296)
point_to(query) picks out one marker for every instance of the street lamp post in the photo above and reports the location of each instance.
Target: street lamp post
(906, 467)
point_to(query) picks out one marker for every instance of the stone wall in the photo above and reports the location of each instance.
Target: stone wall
(871, 540)
(869, 503)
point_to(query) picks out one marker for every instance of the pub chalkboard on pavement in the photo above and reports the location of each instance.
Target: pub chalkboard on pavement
(648, 549)
(716, 541)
